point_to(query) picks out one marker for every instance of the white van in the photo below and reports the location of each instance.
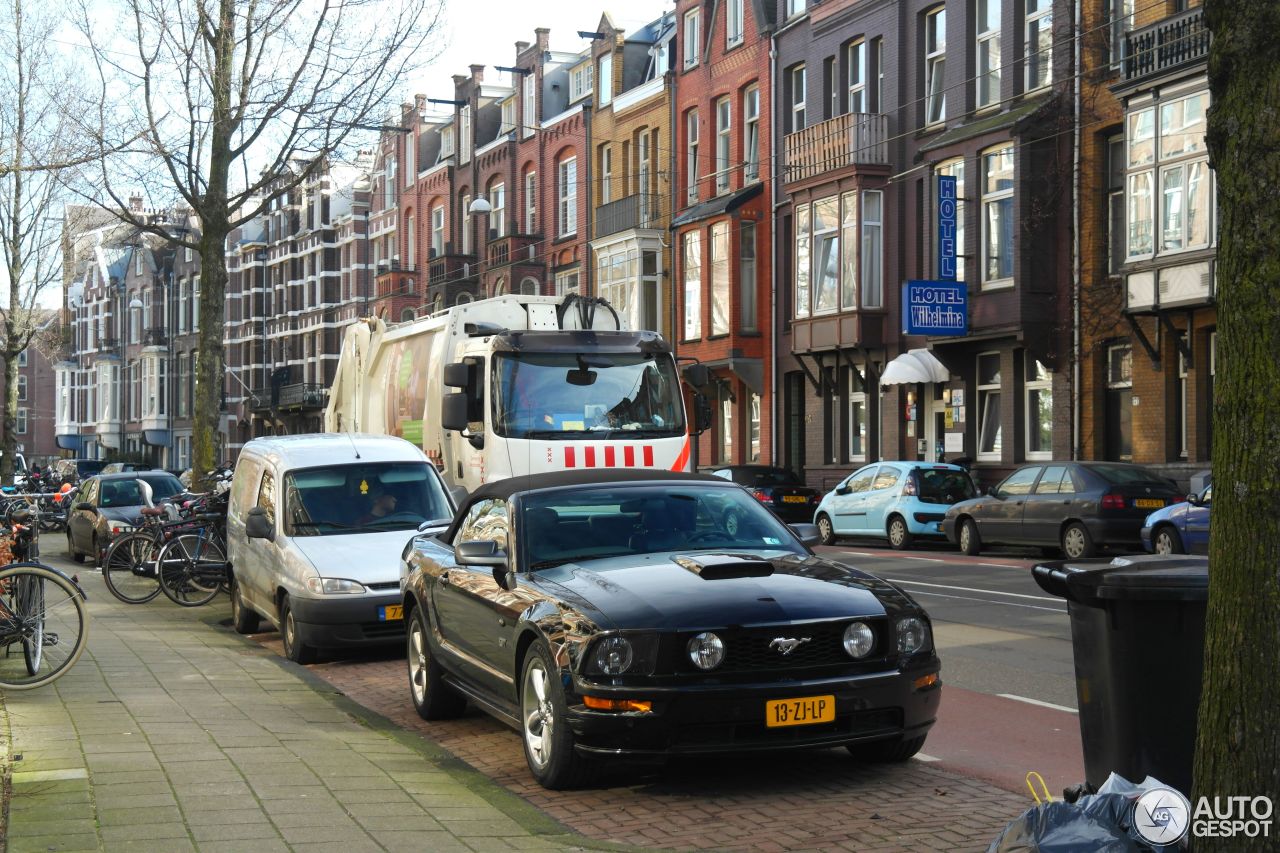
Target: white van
(315, 529)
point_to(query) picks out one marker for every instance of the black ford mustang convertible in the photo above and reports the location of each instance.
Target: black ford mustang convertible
(611, 613)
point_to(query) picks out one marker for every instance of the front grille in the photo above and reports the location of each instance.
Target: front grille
(751, 649)
(379, 587)
(757, 733)
(382, 630)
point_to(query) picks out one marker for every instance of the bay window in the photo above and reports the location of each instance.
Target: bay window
(692, 286)
(826, 245)
(802, 260)
(1169, 189)
(720, 278)
(872, 249)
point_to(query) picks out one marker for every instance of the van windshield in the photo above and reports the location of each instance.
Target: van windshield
(362, 498)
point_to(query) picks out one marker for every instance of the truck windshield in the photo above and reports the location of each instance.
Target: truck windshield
(366, 498)
(564, 395)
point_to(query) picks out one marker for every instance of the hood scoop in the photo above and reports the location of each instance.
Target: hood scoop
(714, 567)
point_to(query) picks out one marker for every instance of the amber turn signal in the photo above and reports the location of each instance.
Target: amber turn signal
(600, 704)
(925, 681)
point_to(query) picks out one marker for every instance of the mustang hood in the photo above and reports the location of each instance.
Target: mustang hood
(680, 592)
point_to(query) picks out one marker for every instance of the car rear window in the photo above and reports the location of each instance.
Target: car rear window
(1122, 474)
(944, 486)
(89, 467)
(768, 477)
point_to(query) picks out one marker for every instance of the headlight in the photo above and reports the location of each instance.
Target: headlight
(706, 651)
(333, 586)
(913, 635)
(858, 639)
(613, 655)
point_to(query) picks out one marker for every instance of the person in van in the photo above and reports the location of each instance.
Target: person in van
(383, 504)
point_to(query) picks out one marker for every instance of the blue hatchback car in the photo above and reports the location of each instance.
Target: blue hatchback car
(898, 501)
(1182, 528)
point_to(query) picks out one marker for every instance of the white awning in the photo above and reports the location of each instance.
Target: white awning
(917, 365)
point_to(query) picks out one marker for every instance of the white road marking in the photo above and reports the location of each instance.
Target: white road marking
(1038, 702)
(989, 601)
(1003, 565)
(922, 559)
(972, 589)
(920, 756)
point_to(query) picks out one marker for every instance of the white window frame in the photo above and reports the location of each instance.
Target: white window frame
(22, 359)
(567, 207)
(996, 199)
(826, 238)
(466, 224)
(734, 30)
(691, 148)
(856, 76)
(581, 80)
(195, 302)
(692, 33)
(410, 240)
(464, 134)
(719, 258)
(567, 282)
(803, 254)
(508, 116)
(531, 202)
(604, 80)
(871, 256)
(935, 66)
(985, 390)
(1182, 397)
(692, 245)
(498, 216)
(754, 409)
(20, 422)
(987, 52)
(446, 143)
(1120, 13)
(410, 158)
(22, 388)
(724, 143)
(1038, 43)
(726, 430)
(437, 230)
(529, 119)
(751, 134)
(795, 7)
(799, 94)
(606, 173)
(857, 395)
(644, 175)
(1037, 384)
(389, 182)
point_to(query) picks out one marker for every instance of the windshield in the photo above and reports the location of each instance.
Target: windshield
(341, 499)
(125, 491)
(564, 395)
(570, 525)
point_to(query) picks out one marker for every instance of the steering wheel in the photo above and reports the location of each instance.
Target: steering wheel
(703, 536)
(400, 516)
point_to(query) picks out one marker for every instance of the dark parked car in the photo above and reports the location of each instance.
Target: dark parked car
(109, 504)
(75, 470)
(118, 467)
(777, 488)
(1181, 528)
(610, 613)
(1078, 507)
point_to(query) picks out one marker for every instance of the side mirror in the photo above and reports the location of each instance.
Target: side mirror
(1193, 499)
(994, 491)
(457, 375)
(701, 413)
(697, 375)
(258, 526)
(85, 507)
(453, 411)
(481, 553)
(843, 489)
(807, 533)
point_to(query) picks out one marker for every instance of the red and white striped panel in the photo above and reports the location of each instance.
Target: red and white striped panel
(608, 457)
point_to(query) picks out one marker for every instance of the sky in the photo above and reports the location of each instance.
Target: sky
(485, 33)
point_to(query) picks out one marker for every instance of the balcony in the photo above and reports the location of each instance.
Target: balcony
(1165, 46)
(641, 210)
(443, 269)
(512, 249)
(853, 139)
(302, 396)
(157, 337)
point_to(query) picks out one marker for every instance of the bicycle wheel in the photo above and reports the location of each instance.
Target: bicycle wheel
(192, 568)
(129, 569)
(43, 613)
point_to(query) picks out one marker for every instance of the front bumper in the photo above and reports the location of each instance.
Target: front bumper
(347, 621)
(1145, 535)
(731, 718)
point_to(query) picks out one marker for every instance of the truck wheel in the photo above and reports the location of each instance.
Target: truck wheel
(294, 650)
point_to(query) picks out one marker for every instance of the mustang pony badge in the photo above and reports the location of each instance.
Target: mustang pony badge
(787, 645)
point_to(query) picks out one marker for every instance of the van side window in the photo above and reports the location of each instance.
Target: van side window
(267, 496)
(486, 521)
(244, 484)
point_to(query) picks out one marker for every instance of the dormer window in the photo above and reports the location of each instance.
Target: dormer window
(580, 81)
(508, 117)
(446, 143)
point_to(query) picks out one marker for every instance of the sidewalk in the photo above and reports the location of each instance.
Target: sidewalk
(173, 734)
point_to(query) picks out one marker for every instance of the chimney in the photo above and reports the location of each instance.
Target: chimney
(420, 103)
(544, 38)
(521, 47)
(135, 203)
(477, 73)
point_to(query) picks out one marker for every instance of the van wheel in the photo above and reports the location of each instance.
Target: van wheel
(243, 617)
(970, 541)
(71, 550)
(294, 650)
(899, 536)
(826, 531)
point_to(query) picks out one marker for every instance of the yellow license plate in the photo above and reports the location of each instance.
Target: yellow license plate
(794, 499)
(800, 712)
(391, 613)
(1148, 503)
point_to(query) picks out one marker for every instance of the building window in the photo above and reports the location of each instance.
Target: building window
(508, 117)
(182, 386)
(720, 278)
(466, 223)
(1121, 15)
(935, 65)
(464, 135)
(605, 78)
(529, 121)
(21, 427)
(751, 134)
(1116, 248)
(567, 181)
(797, 94)
(692, 286)
(876, 73)
(857, 393)
(22, 359)
(1039, 410)
(644, 176)
(955, 168)
(997, 218)
(389, 183)
(195, 303)
(989, 427)
(530, 202)
(437, 231)
(733, 23)
(1172, 150)
(802, 260)
(566, 282)
(726, 428)
(691, 130)
(747, 277)
(849, 245)
(606, 174)
(1119, 411)
(988, 30)
(410, 241)
(826, 255)
(498, 216)
(1039, 43)
(692, 36)
(22, 387)
(446, 144)
(580, 81)
(753, 409)
(795, 7)
(1180, 401)
(856, 76)
(872, 249)
(724, 127)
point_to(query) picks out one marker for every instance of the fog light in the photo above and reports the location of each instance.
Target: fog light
(858, 639)
(925, 681)
(600, 704)
(706, 651)
(613, 655)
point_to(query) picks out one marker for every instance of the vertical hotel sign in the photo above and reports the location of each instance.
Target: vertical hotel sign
(946, 227)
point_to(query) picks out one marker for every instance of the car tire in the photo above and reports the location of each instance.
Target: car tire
(243, 617)
(900, 537)
(544, 728)
(969, 539)
(294, 650)
(887, 751)
(826, 530)
(1167, 541)
(1077, 544)
(432, 698)
(71, 550)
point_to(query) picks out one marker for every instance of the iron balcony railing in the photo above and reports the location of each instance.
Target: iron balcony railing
(852, 139)
(303, 395)
(1172, 43)
(640, 210)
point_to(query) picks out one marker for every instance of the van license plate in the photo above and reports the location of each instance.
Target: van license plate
(391, 613)
(800, 712)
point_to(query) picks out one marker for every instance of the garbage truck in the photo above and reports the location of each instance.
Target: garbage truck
(519, 384)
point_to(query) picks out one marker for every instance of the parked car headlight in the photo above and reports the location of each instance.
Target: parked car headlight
(859, 639)
(333, 586)
(913, 635)
(706, 650)
(613, 656)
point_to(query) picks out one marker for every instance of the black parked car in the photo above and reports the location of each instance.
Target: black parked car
(777, 488)
(1078, 507)
(610, 613)
(108, 505)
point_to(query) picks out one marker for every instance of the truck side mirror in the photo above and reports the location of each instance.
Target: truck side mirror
(697, 375)
(457, 375)
(701, 413)
(453, 411)
(258, 526)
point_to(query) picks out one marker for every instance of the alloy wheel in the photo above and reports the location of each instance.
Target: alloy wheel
(539, 715)
(417, 662)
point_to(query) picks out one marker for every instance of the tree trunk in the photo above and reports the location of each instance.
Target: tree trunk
(10, 443)
(1238, 747)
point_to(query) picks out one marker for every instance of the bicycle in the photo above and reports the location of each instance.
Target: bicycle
(42, 611)
(193, 563)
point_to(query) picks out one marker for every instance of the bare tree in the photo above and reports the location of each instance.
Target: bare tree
(37, 136)
(228, 98)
